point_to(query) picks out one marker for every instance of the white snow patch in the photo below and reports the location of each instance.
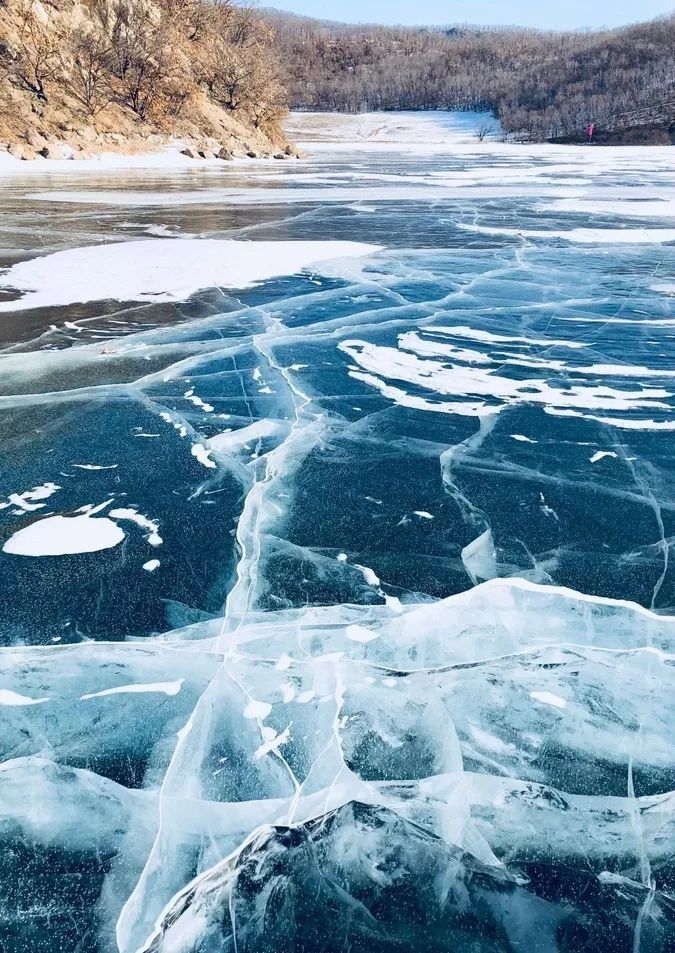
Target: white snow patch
(231, 441)
(8, 697)
(26, 501)
(259, 710)
(273, 742)
(64, 536)
(584, 236)
(152, 527)
(548, 698)
(162, 269)
(359, 633)
(200, 452)
(479, 558)
(198, 402)
(440, 377)
(371, 578)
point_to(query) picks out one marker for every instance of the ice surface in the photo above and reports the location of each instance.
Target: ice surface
(379, 651)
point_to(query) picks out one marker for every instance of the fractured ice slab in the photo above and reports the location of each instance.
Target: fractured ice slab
(364, 878)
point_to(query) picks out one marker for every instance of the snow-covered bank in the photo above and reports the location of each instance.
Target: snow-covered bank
(430, 133)
(167, 160)
(430, 128)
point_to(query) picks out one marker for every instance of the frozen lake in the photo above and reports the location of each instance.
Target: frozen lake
(336, 515)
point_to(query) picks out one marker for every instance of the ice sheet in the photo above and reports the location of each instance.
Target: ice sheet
(372, 642)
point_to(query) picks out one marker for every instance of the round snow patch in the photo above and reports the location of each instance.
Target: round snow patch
(64, 536)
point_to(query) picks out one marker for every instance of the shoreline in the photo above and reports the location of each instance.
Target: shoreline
(170, 159)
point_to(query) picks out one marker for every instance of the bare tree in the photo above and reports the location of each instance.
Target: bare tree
(37, 59)
(91, 64)
(144, 65)
(485, 128)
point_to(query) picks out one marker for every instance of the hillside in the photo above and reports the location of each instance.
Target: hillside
(79, 78)
(542, 86)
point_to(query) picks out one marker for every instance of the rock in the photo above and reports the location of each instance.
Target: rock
(252, 154)
(280, 155)
(16, 150)
(189, 152)
(52, 151)
(35, 139)
(225, 154)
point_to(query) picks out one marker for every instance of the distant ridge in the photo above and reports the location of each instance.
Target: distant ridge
(541, 85)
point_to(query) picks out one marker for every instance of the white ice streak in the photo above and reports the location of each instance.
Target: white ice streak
(164, 688)
(384, 364)
(489, 337)
(234, 441)
(144, 522)
(585, 236)
(8, 697)
(548, 698)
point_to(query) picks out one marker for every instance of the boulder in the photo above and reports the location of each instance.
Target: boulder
(52, 151)
(189, 152)
(35, 139)
(225, 154)
(16, 150)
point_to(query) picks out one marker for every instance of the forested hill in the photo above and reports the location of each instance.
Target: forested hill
(541, 85)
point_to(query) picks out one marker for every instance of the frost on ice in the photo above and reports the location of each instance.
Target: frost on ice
(352, 626)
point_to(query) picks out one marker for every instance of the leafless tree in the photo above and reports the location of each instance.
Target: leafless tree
(485, 128)
(91, 66)
(37, 59)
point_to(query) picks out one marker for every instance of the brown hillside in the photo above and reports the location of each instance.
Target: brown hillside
(128, 75)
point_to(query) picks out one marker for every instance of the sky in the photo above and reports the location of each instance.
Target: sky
(565, 15)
